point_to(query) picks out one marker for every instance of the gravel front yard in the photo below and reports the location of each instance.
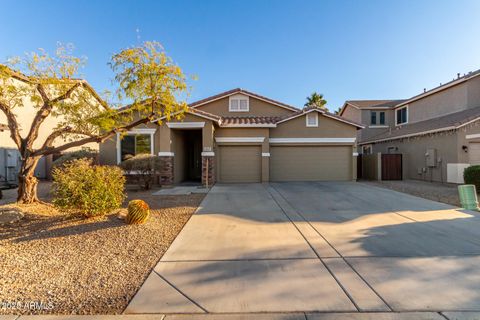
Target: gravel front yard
(77, 266)
(441, 192)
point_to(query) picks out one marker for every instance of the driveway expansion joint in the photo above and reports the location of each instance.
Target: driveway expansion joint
(310, 245)
(319, 257)
(179, 291)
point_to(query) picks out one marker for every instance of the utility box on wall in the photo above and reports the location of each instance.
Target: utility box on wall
(431, 157)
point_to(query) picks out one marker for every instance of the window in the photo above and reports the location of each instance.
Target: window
(373, 117)
(392, 149)
(312, 119)
(367, 149)
(238, 103)
(382, 117)
(133, 144)
(401, 116)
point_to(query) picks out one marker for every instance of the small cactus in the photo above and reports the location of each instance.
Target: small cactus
(138, 212)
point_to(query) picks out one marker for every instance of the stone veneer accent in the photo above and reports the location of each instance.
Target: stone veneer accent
(211, 170)
(166, 170)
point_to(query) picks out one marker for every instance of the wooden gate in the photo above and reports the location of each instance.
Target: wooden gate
(359, 167)
(391, 167)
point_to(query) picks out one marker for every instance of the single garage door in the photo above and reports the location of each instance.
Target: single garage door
(310, 163)
(240, 164)
(474, 153)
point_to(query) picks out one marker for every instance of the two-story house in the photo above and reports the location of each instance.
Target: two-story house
(240, 136)
(437, 131)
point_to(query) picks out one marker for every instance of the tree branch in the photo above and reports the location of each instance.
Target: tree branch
(12, 125)
(94, 138)
(58, 133)
(67, 94)
(45, 111)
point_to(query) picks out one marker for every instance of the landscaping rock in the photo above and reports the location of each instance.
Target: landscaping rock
(10, 215)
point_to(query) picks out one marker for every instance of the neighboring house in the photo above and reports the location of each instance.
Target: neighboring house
(9, 155)
(437, 131)
(240, 136)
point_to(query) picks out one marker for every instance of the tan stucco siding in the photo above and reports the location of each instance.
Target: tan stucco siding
(414, 150)
(108, 151)
(352, 114)
(165, 139)
(441, 103)
(327, 128)
(366, 117)
(241, 132)
(25, 115)
(256, 108)
(474, 92)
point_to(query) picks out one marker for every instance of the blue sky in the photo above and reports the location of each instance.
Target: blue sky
(281, 49)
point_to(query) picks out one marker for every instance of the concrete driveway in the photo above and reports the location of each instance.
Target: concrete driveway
(318, 247)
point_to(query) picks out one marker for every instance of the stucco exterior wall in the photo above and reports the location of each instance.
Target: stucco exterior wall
(414, 150)
(441, 103)
(389, 117)
(473, 97)
(256, 108)
(108, 152)
(25, 115)
(352, 114)
(327, 128)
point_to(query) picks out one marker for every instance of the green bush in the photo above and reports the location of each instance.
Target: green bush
(143, 168)
(471, 175)
(93, 190)
(85, 153)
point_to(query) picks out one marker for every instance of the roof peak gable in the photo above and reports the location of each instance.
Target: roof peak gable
(228, 93)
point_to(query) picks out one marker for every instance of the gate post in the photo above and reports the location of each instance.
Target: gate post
(379, 166)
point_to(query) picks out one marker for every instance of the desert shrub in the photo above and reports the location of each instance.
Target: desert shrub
(92, 190)
(471, 175)
(85, 153)
(143, 168)
(138, 212)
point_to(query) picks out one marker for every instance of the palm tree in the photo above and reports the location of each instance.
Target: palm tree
(316, 100)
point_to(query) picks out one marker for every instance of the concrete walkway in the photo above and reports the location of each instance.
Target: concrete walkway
(318, 248)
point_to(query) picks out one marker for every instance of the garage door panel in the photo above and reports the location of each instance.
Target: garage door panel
(240, 164)
(310, 163)
(474, 153)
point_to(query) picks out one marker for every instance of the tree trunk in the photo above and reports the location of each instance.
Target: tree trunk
(27, 182)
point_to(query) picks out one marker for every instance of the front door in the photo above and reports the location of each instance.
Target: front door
(194, 155)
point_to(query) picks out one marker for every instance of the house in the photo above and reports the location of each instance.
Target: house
(240, 136)
(437, 131)
(25, 113)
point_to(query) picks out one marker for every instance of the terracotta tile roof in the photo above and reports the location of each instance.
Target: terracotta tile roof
(368, 104)
(450, 121)
(249, 120)
(239, 90)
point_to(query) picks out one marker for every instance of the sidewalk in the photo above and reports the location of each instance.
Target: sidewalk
(267, 316)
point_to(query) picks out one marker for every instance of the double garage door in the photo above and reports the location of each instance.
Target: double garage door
(287, 163)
